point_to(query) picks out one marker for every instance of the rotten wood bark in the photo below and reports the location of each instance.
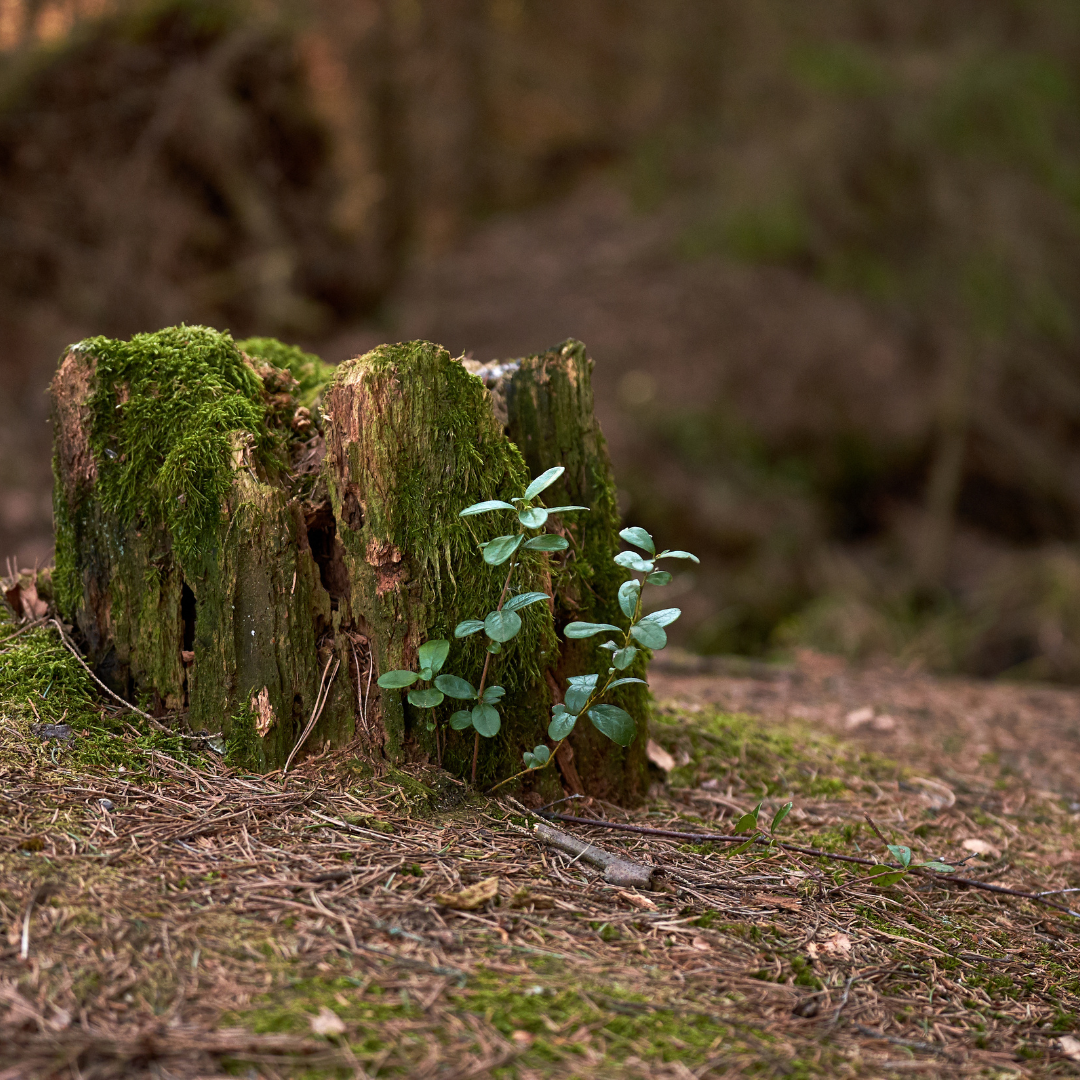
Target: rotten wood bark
(320, 572)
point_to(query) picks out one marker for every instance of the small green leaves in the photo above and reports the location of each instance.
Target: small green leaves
(746, 824)
(629, 591)
(658, 577)
(547, 542)
(624, 657)
(577, 697)
(664, 617)
(678, 555)
(497, 551)
(882, 875)
(940, 867)
(740, 848)
(454, 687)
(538, 758)
(649, 634)
(484, 507)
(640, 539)
(617, 724)
(516, 603)
(623, 682)
(543, 482)
(467, 627)
(780, 815)
(633, 561)
(564, 509)
(432, 655)
(587, 629)
(486, 720)
(493, 694)
(425, 699)
(533, 519)
(502, 625)
(397, 680)
(461, 720)
(562, 723)
(901, 854)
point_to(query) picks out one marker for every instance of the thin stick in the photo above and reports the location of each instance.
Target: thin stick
(116, 697)
(697, 837)
(316, 712)
(42, 892)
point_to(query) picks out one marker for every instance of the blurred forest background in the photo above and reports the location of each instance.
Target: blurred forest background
(824, 253)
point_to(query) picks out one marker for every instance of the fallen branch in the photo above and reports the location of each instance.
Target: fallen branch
(762, 841)
(617, 870)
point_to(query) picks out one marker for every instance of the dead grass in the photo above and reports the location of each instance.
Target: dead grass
(212, 922)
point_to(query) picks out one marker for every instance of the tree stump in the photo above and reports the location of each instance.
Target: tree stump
(249, 537)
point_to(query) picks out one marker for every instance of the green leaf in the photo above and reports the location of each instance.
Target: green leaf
(564, 509)
(617, 724)
(454, 687)
(530, 762)
(397, 680)
(425, 699)
(562, 723)
(542, 482)
(882, 875)
(587, 629)
(633, 561)
(663, 617)
(497, 551)
(541, 754)
(486, 720)
(493, 694)
(533, 519)
(747, 823)
(624, 657)
(502, 625)
(429, 725)
(940, 867)
(624, 682)
(547, 542)
(610, 646)
(461, 720)
(740, 848)
(678, 555)
(640, 539)
(658, 577)
(516, 603)
(467, 627)
(780, 815)
(577, 698)
(432, 654)
(649, 634)
(629, 591)
(495, 647)
(901, 854)
(484, 507)
(587, 681)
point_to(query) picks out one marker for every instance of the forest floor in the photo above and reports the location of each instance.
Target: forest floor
(166, 916)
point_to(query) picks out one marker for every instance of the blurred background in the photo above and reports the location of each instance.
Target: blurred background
(823, 252)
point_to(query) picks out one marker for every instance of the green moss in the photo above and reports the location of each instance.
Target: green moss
(244, 748)
(168, 409)
(310, 373)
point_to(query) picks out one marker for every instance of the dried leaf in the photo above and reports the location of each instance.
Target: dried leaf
(327, 1022)
(1070, 1046)
(938, 795)
(839, 945)
(659, 756)
(788, 903)
(473, 897)
(981, 847)
(701, 945)
(264, 712)
(857, 717)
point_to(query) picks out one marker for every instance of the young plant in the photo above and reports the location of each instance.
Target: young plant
(586, 693)
(748, 823)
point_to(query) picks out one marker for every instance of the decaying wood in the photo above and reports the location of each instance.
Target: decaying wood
(356, 543)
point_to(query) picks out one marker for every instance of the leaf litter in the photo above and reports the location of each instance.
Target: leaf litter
(181, 918)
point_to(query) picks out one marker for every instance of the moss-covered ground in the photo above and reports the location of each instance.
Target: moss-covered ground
(167, 915)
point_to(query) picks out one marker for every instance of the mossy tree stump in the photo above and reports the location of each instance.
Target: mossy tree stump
(249, 537)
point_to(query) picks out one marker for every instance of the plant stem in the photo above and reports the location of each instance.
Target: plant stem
(593, 697)
(484, 673)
